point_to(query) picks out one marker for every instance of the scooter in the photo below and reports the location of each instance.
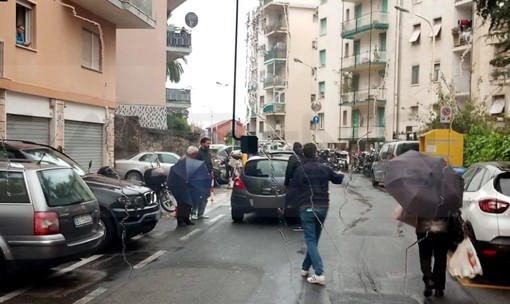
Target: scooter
(155, 179)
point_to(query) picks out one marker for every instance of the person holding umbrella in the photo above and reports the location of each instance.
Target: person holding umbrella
(429, 188)
(204, 154)
(189, 182)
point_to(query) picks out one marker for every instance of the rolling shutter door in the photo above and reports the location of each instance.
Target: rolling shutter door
(36, 129)
(84, 143)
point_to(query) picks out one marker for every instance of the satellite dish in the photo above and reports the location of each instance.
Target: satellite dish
(191, 19)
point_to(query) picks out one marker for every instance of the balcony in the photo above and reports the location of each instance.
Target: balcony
(272, 82)
(178, 43)
(462, 84)
(275, 29)
(274, 134)
(364, 60)
(374, 20)
(276, 53)
(363, 97)
(464, 3)
(360, 132)
(500, 75)
(125, 14)
(274, 109)
(178, 98)
(173, 4)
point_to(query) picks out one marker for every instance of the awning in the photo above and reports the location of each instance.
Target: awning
(437, 29)
(497, 106)
(415, 35)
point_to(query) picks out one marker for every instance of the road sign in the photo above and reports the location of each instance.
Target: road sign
(445, 115)
(315, 120)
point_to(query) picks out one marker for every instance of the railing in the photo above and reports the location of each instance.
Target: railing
(274, 27)
(178, 96)
(274, 108)
(274, 134)
(144, 6)
(366, 22)
(177, 37)
(277, 81)
(365, 58)
(500, 74)
(462, 84)
(274, 53)
(356, 133)
(364, 96)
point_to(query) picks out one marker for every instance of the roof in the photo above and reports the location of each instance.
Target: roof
(224, 122)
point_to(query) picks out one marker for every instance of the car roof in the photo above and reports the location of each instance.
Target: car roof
(501, 165)
(273, 157)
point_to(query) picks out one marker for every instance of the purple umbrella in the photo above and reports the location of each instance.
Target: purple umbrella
(424, 185)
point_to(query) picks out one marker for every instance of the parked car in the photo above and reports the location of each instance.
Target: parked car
(48, 216)
(485, 209)
(389, 151)
(259, 187)
(133, 167)
(125, 206)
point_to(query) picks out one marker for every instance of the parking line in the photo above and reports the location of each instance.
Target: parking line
(136, 237)
(72, 267)
(187, 236)
(217, 218)
(149, 259)
(91, 296)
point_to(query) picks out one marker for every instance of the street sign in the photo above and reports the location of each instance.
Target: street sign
(315, 120)
(445, 115)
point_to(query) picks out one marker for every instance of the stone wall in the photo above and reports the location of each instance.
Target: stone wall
(130, 138)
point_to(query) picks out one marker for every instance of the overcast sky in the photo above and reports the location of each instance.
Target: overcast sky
(212, 59)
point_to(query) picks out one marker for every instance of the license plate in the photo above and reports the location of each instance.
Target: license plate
(82, 220)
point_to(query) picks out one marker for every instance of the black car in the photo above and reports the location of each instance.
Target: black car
(124, 205)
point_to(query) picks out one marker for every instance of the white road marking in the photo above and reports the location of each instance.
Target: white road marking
(187, 236)
(91, 296)
(136, 237)
(72, 267)
(149, 259)
(217, 218)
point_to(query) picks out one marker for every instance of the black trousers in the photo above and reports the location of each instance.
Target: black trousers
(434, 245)
(183, 212)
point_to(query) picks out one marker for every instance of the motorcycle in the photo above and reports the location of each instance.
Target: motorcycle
(155, 179)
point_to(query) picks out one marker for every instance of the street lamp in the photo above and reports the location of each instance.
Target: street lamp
(314, 69)
(316, 105)
(405, 10)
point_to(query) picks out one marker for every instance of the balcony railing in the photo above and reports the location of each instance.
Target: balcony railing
(178, 98)
(501, 74)
(277, 81)
(355, 133)
(178, 43)
(364, 96)
(275, 27)
(374, 20)
(274, 108)
(123, 13)
(275, 53)
(364, 59)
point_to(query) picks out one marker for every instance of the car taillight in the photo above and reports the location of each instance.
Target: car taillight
(46, 223)
(238, 184)
(491, 205)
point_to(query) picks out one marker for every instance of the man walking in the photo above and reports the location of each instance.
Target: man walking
(204, 154)
(309, 191)
(293, 163)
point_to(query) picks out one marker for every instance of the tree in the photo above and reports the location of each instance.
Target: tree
(174, 69)
(497, 14)
(177, 122)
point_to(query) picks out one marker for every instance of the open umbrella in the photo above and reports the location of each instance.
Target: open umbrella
(424, 185)
(188, 179)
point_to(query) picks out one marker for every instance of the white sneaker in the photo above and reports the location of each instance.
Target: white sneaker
(304, 273)
(317, 279)
(194, 217)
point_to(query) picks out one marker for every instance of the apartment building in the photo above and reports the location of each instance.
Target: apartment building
(61, 88)
(282, 70)
(142, 57)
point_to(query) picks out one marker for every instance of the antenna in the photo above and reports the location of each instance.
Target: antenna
(39, 162)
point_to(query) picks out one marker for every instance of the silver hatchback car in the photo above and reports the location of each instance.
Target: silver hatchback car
(48, 215)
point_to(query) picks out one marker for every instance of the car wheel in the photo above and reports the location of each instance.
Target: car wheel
(374, 182)
(110, 231)
(134, 176)
(237, 215)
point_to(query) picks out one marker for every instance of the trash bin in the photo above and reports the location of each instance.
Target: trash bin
(445, 143)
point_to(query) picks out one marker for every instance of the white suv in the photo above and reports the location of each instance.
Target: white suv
(485, 208)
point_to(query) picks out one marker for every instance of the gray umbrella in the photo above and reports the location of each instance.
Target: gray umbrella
(424, 185)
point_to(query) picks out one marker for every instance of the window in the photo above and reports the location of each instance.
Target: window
(347, 14)
(63, 187)
(313, 97)
(324, 25)
(344, 118)
(261, 102)
(321, 121)
(322, 55)
(415, 36)
(324, 1)
(315, 17)
(476, 181)
(91, 56)
(261, 127)
(322, 89)
(25, 17)
(168, 158)
(13, 188)
(346, 52)
(437, 69)
(415, 75)
(436, 28)
(314, 44)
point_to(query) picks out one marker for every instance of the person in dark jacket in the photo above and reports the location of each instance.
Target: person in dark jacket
(293, 163)
(204, 154)
(309, 191)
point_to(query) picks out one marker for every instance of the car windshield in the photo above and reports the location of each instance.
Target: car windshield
(266, 168)
(50, 156)
(63, 187)
(404, 147)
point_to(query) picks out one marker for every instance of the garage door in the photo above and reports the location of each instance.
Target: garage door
(84, 143)
(29, 128)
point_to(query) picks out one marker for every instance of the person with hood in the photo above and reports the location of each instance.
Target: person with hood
(294, 162)
(309, 191)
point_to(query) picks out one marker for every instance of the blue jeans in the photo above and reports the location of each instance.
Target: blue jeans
(312, 228)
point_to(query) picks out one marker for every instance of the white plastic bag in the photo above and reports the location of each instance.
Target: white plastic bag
(464, 262)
